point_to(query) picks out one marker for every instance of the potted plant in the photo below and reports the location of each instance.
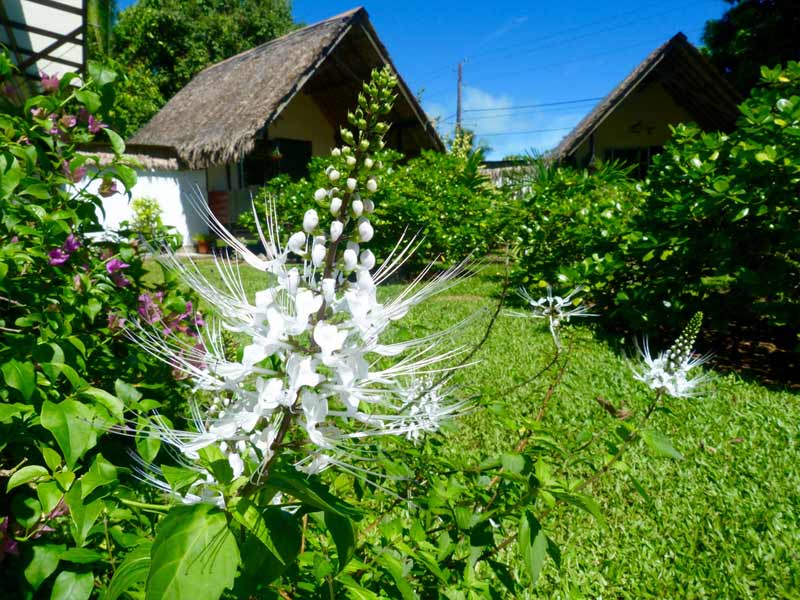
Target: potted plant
(202, 243)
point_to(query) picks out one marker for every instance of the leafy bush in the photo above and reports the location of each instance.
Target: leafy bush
(562, 216)
(443, 197)
(716, 225)
(148, 224)
(720, 229)
(65, 511)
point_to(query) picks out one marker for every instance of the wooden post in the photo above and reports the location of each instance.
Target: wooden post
(458, 98)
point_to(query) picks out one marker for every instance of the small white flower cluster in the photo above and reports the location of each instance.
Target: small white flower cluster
(313, 377)
(668, 372)
(555, 309)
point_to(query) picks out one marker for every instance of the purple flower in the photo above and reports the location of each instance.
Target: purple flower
(115, 265)
(74, 175)
(120, 280)
(69, 121)
(71, 244)
(8, 545)
(38, 113)
(49, 83)
(58, 257)
(148, 310)
(108, 187)
(115, 322)
(95, 125)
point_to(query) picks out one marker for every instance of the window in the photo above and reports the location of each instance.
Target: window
(640, 157)
(276, 157)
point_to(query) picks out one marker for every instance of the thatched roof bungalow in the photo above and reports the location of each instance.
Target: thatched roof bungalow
(266, 111)
(674, 84)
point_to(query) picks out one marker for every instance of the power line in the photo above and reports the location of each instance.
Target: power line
(540, 105)
(523, 132)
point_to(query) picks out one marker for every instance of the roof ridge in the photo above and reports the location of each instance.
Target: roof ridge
(346, 17)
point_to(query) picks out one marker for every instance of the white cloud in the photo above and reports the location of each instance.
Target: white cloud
(497, 127)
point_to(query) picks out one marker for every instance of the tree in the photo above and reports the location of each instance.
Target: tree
(175, 39)
(750, 34)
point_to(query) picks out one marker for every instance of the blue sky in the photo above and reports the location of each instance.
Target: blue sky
(518, 54)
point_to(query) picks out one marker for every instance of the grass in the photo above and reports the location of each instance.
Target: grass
(721, 523)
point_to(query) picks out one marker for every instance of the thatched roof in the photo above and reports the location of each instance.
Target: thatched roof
(692, 81)
(218, 116)
(151, 158)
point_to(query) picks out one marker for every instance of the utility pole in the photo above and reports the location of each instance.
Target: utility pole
(458, 98)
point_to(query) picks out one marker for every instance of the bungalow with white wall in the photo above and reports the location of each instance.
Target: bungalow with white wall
(260, 113)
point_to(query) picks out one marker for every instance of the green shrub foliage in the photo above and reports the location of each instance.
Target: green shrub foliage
(67, 372)
(562, 216)
(715, 227)
(440, 197)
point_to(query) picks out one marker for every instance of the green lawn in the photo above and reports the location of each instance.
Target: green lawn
(721, 523)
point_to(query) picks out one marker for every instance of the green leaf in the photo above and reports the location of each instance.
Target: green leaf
(585, 503)
(117, 143)
(90, 99)
(20, 376)
(108, 401)
(194, 555)
(43, 563)
(82, 556)
(129, 395)
(127, 176)
(344, 536)
(49, 495)
(532, 545)
(248, 515)
(83, 514)
(16, 410)
(660, 444)
(514, 463)
(395, 568)
(100, 473)
(26, 475)
(741, 214)
(132, 571)
(179, 478)
(313, 493)
(70, 422)
(72, 586)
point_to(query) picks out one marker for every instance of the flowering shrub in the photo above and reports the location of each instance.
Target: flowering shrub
(64, 363)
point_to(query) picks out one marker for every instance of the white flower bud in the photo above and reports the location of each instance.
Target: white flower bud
(329, 289)
(320, 195)
(369, 205)
(292, 281)
(334, 175)
(353, 246)
(372, 185)
(350, 259)
(337, 227)
(364, 145)
(351, 161)
(368, 162)
(336, 206)
(365, 231)
(318, 252)
(297, 242)
(310, 220)
(367, 259)
(357, 206)
(336, 152)
(351, 184)
(365, 281)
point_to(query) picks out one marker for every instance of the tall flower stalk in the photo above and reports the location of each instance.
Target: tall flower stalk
(314, 376)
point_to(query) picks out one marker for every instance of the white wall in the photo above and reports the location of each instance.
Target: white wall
(173, 190)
